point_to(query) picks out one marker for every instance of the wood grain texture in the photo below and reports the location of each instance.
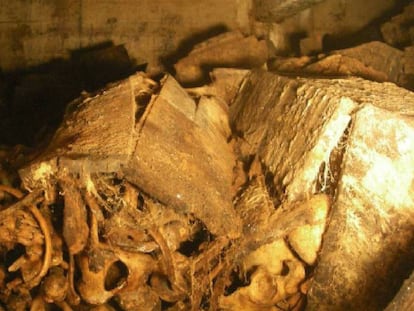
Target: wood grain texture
(183, 160)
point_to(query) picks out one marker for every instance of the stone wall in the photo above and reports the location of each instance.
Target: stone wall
(37, 31)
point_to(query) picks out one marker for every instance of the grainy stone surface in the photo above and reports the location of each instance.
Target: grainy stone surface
(36, 32)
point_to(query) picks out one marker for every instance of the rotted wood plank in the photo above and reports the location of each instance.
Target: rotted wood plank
(182, 158)
(292, 125)
(97, 134)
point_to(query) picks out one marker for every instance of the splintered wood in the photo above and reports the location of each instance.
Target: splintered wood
(182, 158)
(148, 198)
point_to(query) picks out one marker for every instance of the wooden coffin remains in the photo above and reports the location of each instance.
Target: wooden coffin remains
(352, 139)
(157, 138)
(345, 143)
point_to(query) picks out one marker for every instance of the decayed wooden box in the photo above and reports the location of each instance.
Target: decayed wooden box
(353, 139)
(135, 141)
(144, 169)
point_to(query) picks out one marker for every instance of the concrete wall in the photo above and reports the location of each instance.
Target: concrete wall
(35, 31)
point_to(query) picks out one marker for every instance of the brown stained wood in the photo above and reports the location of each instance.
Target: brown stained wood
(349, 138)
(292, 125)
(374, 61)
(342, 65)
(184, 161)
(172, 149)
(379, 57)
(96, 135)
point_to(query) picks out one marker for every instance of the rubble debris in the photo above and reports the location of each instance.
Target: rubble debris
(231, 49)
(342, 65)
(374, 61)
(399, 30)
(378, 56)
(324, 26)
(289, 64)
